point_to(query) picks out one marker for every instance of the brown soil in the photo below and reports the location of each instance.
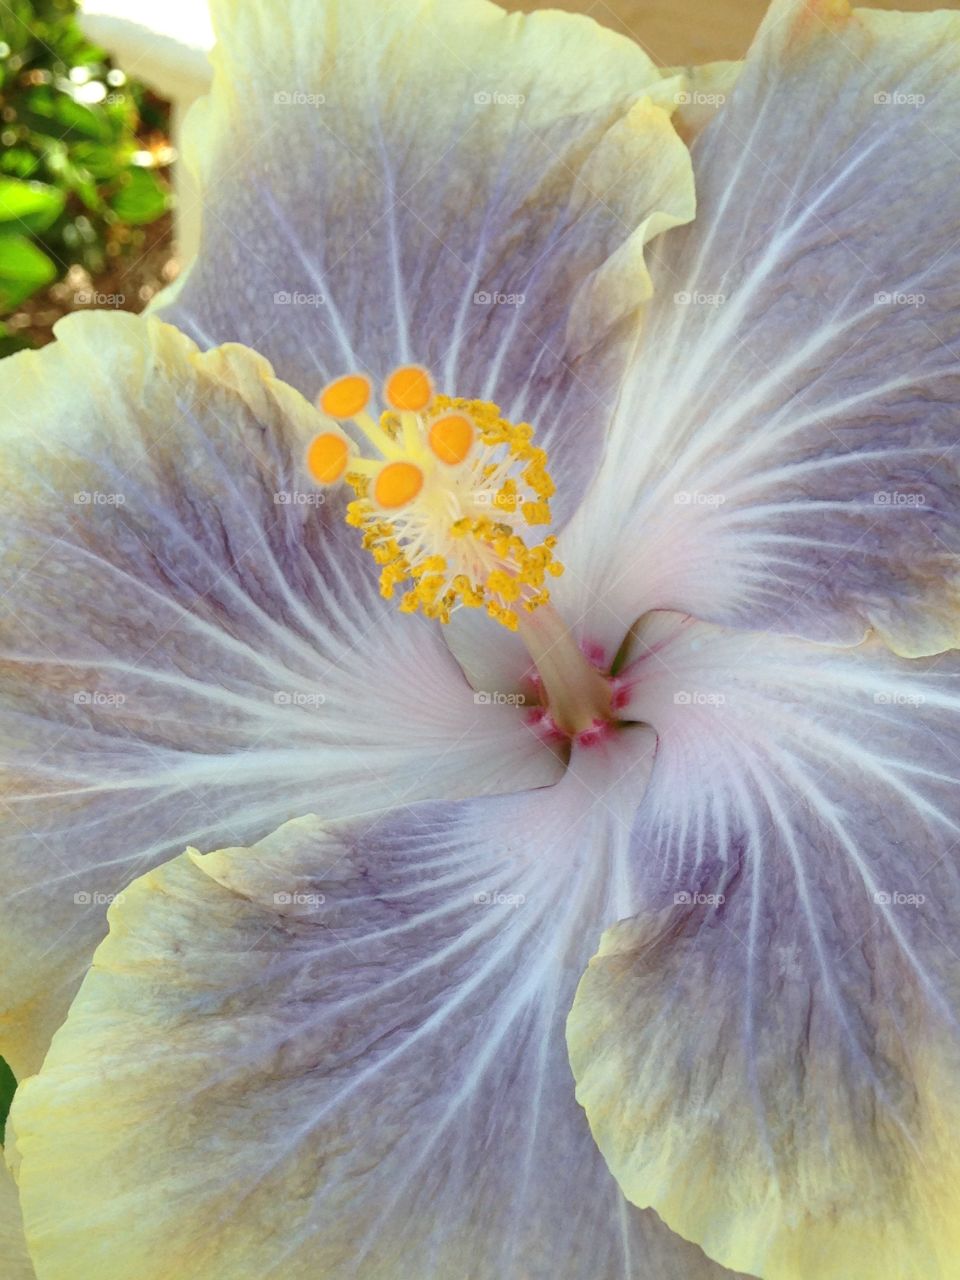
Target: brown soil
(137, 274)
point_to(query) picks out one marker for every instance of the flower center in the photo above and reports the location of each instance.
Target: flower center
(445, 506)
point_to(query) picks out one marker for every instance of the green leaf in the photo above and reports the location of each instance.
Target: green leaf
(10, 344)
(141, 197)
(20, 161)
(77, 179)
(101, 161)
(33, 205)
(47, 111)
(8, 1086)
(23, 269)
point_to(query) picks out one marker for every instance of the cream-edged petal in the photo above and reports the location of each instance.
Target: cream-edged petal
(14, 1260)
(340, 1053)
(191, 648)
(15, 1263)
(786, 457)
(443, 183)
(703, 92)
(769, 1052)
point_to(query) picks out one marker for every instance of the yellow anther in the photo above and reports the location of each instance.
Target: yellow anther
(451, 437)
(397, 484)
(327, 457)
(505, 586)
(536, 512)
(346, 397)
(408, 387)
(444, 507)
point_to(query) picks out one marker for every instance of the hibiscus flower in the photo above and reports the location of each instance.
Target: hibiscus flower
(533, 609)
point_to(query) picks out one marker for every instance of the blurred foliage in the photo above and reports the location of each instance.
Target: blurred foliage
(8, 1087)
(77, 178)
